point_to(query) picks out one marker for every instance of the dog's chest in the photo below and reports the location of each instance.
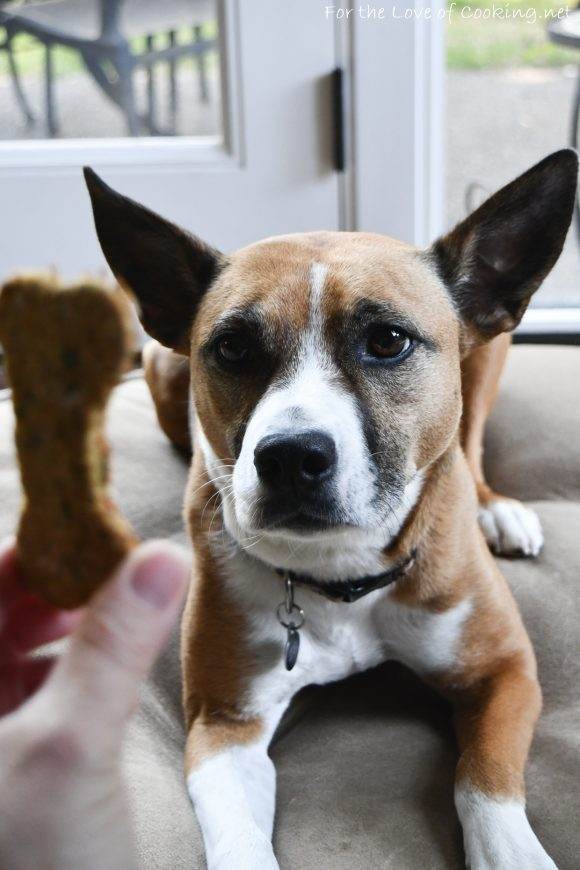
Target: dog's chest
(340, 639)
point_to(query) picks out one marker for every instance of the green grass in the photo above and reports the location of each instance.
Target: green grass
(476, 43)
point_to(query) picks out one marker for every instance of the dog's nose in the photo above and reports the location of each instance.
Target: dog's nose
(300, 461)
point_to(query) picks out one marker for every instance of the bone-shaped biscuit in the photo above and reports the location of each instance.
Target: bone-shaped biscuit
(66, 348)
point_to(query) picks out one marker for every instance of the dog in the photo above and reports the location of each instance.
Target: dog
(341, 382)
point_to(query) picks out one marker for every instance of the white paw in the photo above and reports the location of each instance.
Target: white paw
(498, 836)
(251, 852)
(510, 528)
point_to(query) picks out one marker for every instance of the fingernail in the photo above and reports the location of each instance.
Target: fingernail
(158, 579)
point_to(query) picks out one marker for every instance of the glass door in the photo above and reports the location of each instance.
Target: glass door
(512, 98)
(216, 113)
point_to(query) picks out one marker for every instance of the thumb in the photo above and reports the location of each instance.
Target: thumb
(96, 683)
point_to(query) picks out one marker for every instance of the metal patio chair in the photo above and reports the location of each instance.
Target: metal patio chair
(102, 31)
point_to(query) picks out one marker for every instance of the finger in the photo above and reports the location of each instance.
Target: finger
(26, 621)
(10, 575)
(20, 679)
(125, 626)
(35, 671)
(31, 623)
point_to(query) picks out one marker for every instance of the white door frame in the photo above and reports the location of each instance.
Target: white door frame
(395, 120)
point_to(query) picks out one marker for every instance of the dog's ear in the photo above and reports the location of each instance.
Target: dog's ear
(496, 258)
(166, 269)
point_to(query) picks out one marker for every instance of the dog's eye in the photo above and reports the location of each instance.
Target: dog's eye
(232, 347)
(388, 342)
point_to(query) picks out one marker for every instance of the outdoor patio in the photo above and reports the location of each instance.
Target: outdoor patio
(500, 122)
(84, 112)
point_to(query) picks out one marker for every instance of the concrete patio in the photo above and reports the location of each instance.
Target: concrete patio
(500, 122)
(84, 112)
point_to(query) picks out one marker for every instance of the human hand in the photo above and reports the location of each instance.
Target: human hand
(62, 800)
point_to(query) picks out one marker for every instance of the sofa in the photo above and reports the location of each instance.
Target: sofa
(365, 766)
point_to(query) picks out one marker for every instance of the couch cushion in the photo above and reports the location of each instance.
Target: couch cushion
(532, 445)
(365, 767)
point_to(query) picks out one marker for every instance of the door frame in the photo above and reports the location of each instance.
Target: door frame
(395, 109)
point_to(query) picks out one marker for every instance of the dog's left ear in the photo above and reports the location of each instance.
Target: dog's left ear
(494, 260)
(166, 269)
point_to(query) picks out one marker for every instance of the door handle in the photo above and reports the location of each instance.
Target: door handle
(338, 133)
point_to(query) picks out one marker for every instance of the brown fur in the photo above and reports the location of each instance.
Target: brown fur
(168, 379)
(216, 661)
(480, 374)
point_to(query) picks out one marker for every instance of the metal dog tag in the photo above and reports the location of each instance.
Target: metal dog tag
(291, 617)
(292, 648)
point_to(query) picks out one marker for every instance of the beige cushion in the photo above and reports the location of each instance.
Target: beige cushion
(533, 437)
(365, 767)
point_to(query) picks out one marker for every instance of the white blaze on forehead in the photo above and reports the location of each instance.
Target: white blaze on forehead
(318, 275)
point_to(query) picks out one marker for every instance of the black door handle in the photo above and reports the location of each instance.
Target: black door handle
(338, 138)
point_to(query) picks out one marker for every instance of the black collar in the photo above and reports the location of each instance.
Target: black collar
(353, 589)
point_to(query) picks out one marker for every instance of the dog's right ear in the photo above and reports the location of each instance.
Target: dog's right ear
(166, 269)
(494, 260)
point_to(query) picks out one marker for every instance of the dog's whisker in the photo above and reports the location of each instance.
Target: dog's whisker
(258, 539)
(208, 502)
(209, 482)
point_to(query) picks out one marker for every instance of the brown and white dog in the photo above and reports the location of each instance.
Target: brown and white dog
(341, 383)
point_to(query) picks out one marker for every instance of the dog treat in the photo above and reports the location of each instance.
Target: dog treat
(66, 348)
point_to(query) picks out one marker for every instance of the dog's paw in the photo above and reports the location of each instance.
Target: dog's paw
(498, 836)
(510, 528)
(252, 851)
(485, 853)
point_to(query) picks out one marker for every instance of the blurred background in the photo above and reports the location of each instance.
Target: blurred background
(73, 84)
(244, 119)
(511, 94)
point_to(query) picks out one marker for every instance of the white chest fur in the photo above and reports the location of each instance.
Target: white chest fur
(337, 639)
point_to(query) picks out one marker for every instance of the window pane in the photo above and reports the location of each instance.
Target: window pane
(510, 93)
(109, 68)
